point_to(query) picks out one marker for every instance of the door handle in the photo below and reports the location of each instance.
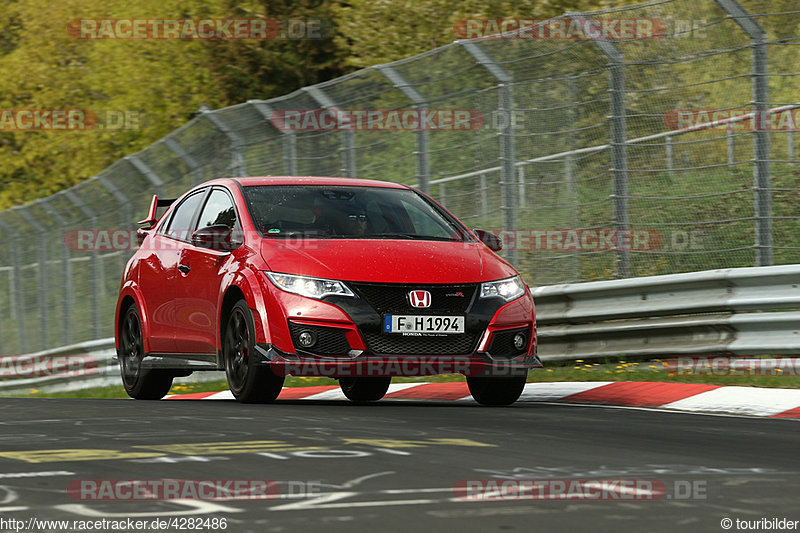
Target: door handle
(184, 268)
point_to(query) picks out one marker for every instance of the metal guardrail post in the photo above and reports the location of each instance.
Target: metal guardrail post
(507, 157)
(238, 166)
(348, 141)
(18, 304)
(790, 146)
(763, 200)
(95, 262)
(194, 167)
(423, 143)
(289, 139)
(66, 275)
(41, 271)
(619, 138)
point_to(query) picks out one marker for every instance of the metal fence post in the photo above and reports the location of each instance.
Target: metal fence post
(423, 143)
(66, 274)
(619, 138)
(508, 178)
(147, 172)
(194, 167)
(17, 304)
(97, 282)
(670, 156)
(237, 166)
(761, 178)
(572, 185)
(289, 139)
(731, 147)
(41, 271)
(290, 153)
(348, 140)
(484, 195)
(19, 301)
(125, 204)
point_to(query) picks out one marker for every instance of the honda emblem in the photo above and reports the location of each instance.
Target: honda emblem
(419, 298)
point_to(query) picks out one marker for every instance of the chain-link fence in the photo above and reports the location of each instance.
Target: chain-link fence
(651, 139)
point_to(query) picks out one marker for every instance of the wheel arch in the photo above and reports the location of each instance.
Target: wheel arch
(130, 295)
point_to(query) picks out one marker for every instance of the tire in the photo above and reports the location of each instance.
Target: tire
(248, 381)
(139, 383)
(496, 391)
(365, 389)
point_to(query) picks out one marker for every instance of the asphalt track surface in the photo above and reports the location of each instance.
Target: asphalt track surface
(393, 465)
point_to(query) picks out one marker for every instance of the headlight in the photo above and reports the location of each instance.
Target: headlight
(507, 289)
(311, 287)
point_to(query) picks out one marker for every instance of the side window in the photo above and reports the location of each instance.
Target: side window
(218, 211)
(180, 225)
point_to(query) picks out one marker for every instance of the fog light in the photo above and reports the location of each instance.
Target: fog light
(307, 339)
(519, 341)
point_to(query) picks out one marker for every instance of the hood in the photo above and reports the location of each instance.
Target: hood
(386, 261)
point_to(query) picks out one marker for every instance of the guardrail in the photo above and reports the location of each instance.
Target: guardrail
(73, 367)
(738, 311)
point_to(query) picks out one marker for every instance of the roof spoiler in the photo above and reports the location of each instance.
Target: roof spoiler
(152, 218)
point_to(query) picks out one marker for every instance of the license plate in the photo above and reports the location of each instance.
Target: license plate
(423, 324)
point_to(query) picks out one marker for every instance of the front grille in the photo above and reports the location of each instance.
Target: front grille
(330, 341)
(397, 344)
(393, 297)
(503, 343)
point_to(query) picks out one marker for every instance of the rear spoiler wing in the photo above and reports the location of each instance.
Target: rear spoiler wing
(152, 217)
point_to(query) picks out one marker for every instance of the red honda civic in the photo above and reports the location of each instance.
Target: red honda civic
(357, 280)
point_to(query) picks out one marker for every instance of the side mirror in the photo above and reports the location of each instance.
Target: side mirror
(219, 238)
(141, 235)
(489, 239)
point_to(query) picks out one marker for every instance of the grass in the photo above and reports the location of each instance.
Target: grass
(580, 370)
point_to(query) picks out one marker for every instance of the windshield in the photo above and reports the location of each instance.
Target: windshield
(351, 212)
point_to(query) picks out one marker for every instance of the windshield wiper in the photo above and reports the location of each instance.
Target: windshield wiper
(414, 236)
